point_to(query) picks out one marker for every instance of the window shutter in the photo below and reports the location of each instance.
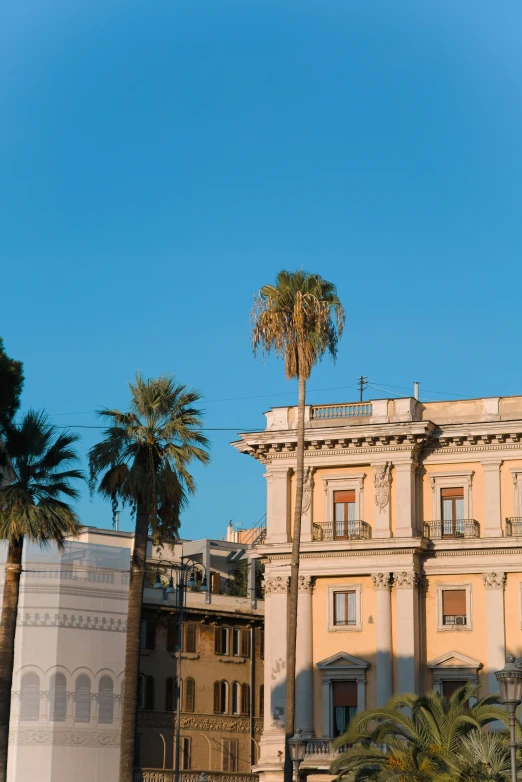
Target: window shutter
(215, 580)
(151, 635)
(344, 694)
(186, 753)
(344, 496)
(190, 694)
(229, 755)
(452, 493)
(169, 694)
(190, 638)
(217, 697)
(218, 640)
(245, 699)
(245, 643)
(149, 692)
(143, 634)
(454, 602)
(172, 635)
(449, 687)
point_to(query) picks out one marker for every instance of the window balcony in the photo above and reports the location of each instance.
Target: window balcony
(341, 530)
(514, 527)
(457, 528)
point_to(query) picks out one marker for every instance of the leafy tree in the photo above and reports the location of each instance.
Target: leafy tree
(143, 462)
(413, 737)
(237, 585)
(36, 473)
(301, 318)
(11, 382)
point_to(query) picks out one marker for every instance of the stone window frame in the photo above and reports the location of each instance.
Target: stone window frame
(354, 670)
(451, 480)
(357, 627)
(468, 672)
(352, 482)
(442, 628)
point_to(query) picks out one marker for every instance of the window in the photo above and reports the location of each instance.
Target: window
(190, 694)
(82, 699)
(345, 608)
(215, 583)
(220, 697)
(221, 640)
(344, 514)
(148, 634)
(30, 698)
(236, 698)
(240, 642)
(190, 638)
(229, 755)
(454, 607)
(58, 698)
(449, 687)
(245, 699)
(169, 694)
(105, 701)
(262, 644)
(344, 705)
(172, 635)
(262, 700)
(149, 692)
(185, 752)
(452, 512)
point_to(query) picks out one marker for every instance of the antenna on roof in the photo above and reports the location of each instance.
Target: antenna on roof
(362, 380)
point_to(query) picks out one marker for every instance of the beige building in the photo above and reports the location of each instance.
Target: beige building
(411, 563)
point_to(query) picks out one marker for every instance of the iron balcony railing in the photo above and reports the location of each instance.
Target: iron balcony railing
(455, 528)
(514, 526)
(341, 530)
(325, 412)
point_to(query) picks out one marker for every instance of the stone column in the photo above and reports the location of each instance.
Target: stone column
(383, 638)
(273, 739)
(277, 484)
(405, 521)
(381, 482)
(304, 693)
(407, 602)
(492, 527)
(496, 635)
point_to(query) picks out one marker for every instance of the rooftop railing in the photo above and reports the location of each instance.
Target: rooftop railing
(341, 530)
(454, 528)
(514, 526)
(326, 412)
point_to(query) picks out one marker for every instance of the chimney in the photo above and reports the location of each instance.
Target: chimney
(416, 390)
(116, 520)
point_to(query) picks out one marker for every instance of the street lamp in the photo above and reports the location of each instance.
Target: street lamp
(297, 747)
(510, 683)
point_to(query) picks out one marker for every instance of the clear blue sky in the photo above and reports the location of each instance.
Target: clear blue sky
(161, 161)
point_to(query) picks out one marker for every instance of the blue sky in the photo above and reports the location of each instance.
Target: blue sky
(160, 162)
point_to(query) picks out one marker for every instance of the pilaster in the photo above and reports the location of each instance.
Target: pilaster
(405, 521)
(277, 486)
(383, 638)
(382, 485)
(304, 714)
(408, 631)
(495, 622)
(492, 521)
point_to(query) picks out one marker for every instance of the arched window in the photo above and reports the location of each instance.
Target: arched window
(236, 697)
(149, 692)
(58, 698)
(245, 699)
(141, 691)
(82, 699)
(220, 697)
(30, 698)
(190, 695)
(169, 694)
(105, 701)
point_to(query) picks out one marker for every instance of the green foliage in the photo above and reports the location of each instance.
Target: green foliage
(413, 738)
(237, 585)
(144, 455)
(11, 382)
(36, 473)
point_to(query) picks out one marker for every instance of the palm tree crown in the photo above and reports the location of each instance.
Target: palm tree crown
(301, 317)
(36, 473)
(144, 455)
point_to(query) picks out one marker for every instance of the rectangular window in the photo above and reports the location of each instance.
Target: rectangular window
(147, 634)
(172, 635)
(344, 513)
(143, 634)
(454, 607)
(345, 608)
(452, 512)
(185, 754)
(448, 688)
(229, 755)
(344, 705)
(190, 638)
(215, 583)
(221, 640)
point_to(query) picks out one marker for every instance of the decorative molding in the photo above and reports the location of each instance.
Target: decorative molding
(72, 621)
(276, 585)
(494, 580)
(97, 593)
(72, 737)
(306, 583)
(381, 580)
(382, 480)
(158, 775)
(307, 489)
(406, 580)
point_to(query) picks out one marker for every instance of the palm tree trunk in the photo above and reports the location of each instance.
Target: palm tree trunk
(13, 570)
(132, 647)
(294, 577)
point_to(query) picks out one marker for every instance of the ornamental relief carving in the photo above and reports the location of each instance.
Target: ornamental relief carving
(406, 580)
(306, 583)
(494, 580)
(381, 580)
(64, 738)
(307, 489)
(201, 722)
(382, 480)
(276, 585)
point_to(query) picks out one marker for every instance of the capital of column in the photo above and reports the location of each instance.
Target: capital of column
(494, 580)
(405, 580)
(276, 585)
(306, 583)
(381, 580)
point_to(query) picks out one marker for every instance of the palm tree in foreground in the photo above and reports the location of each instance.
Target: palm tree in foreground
(143, 462)
(414, 738)
(301, 318)
(36, 473)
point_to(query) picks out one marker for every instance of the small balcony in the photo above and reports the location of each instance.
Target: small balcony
(341, 530)
(320, 753)
(514, 527)
(448, 529)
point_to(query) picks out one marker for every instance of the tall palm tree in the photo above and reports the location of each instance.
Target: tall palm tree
(36, 473)
(301, 318)
(143, 462)
(413, 738)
